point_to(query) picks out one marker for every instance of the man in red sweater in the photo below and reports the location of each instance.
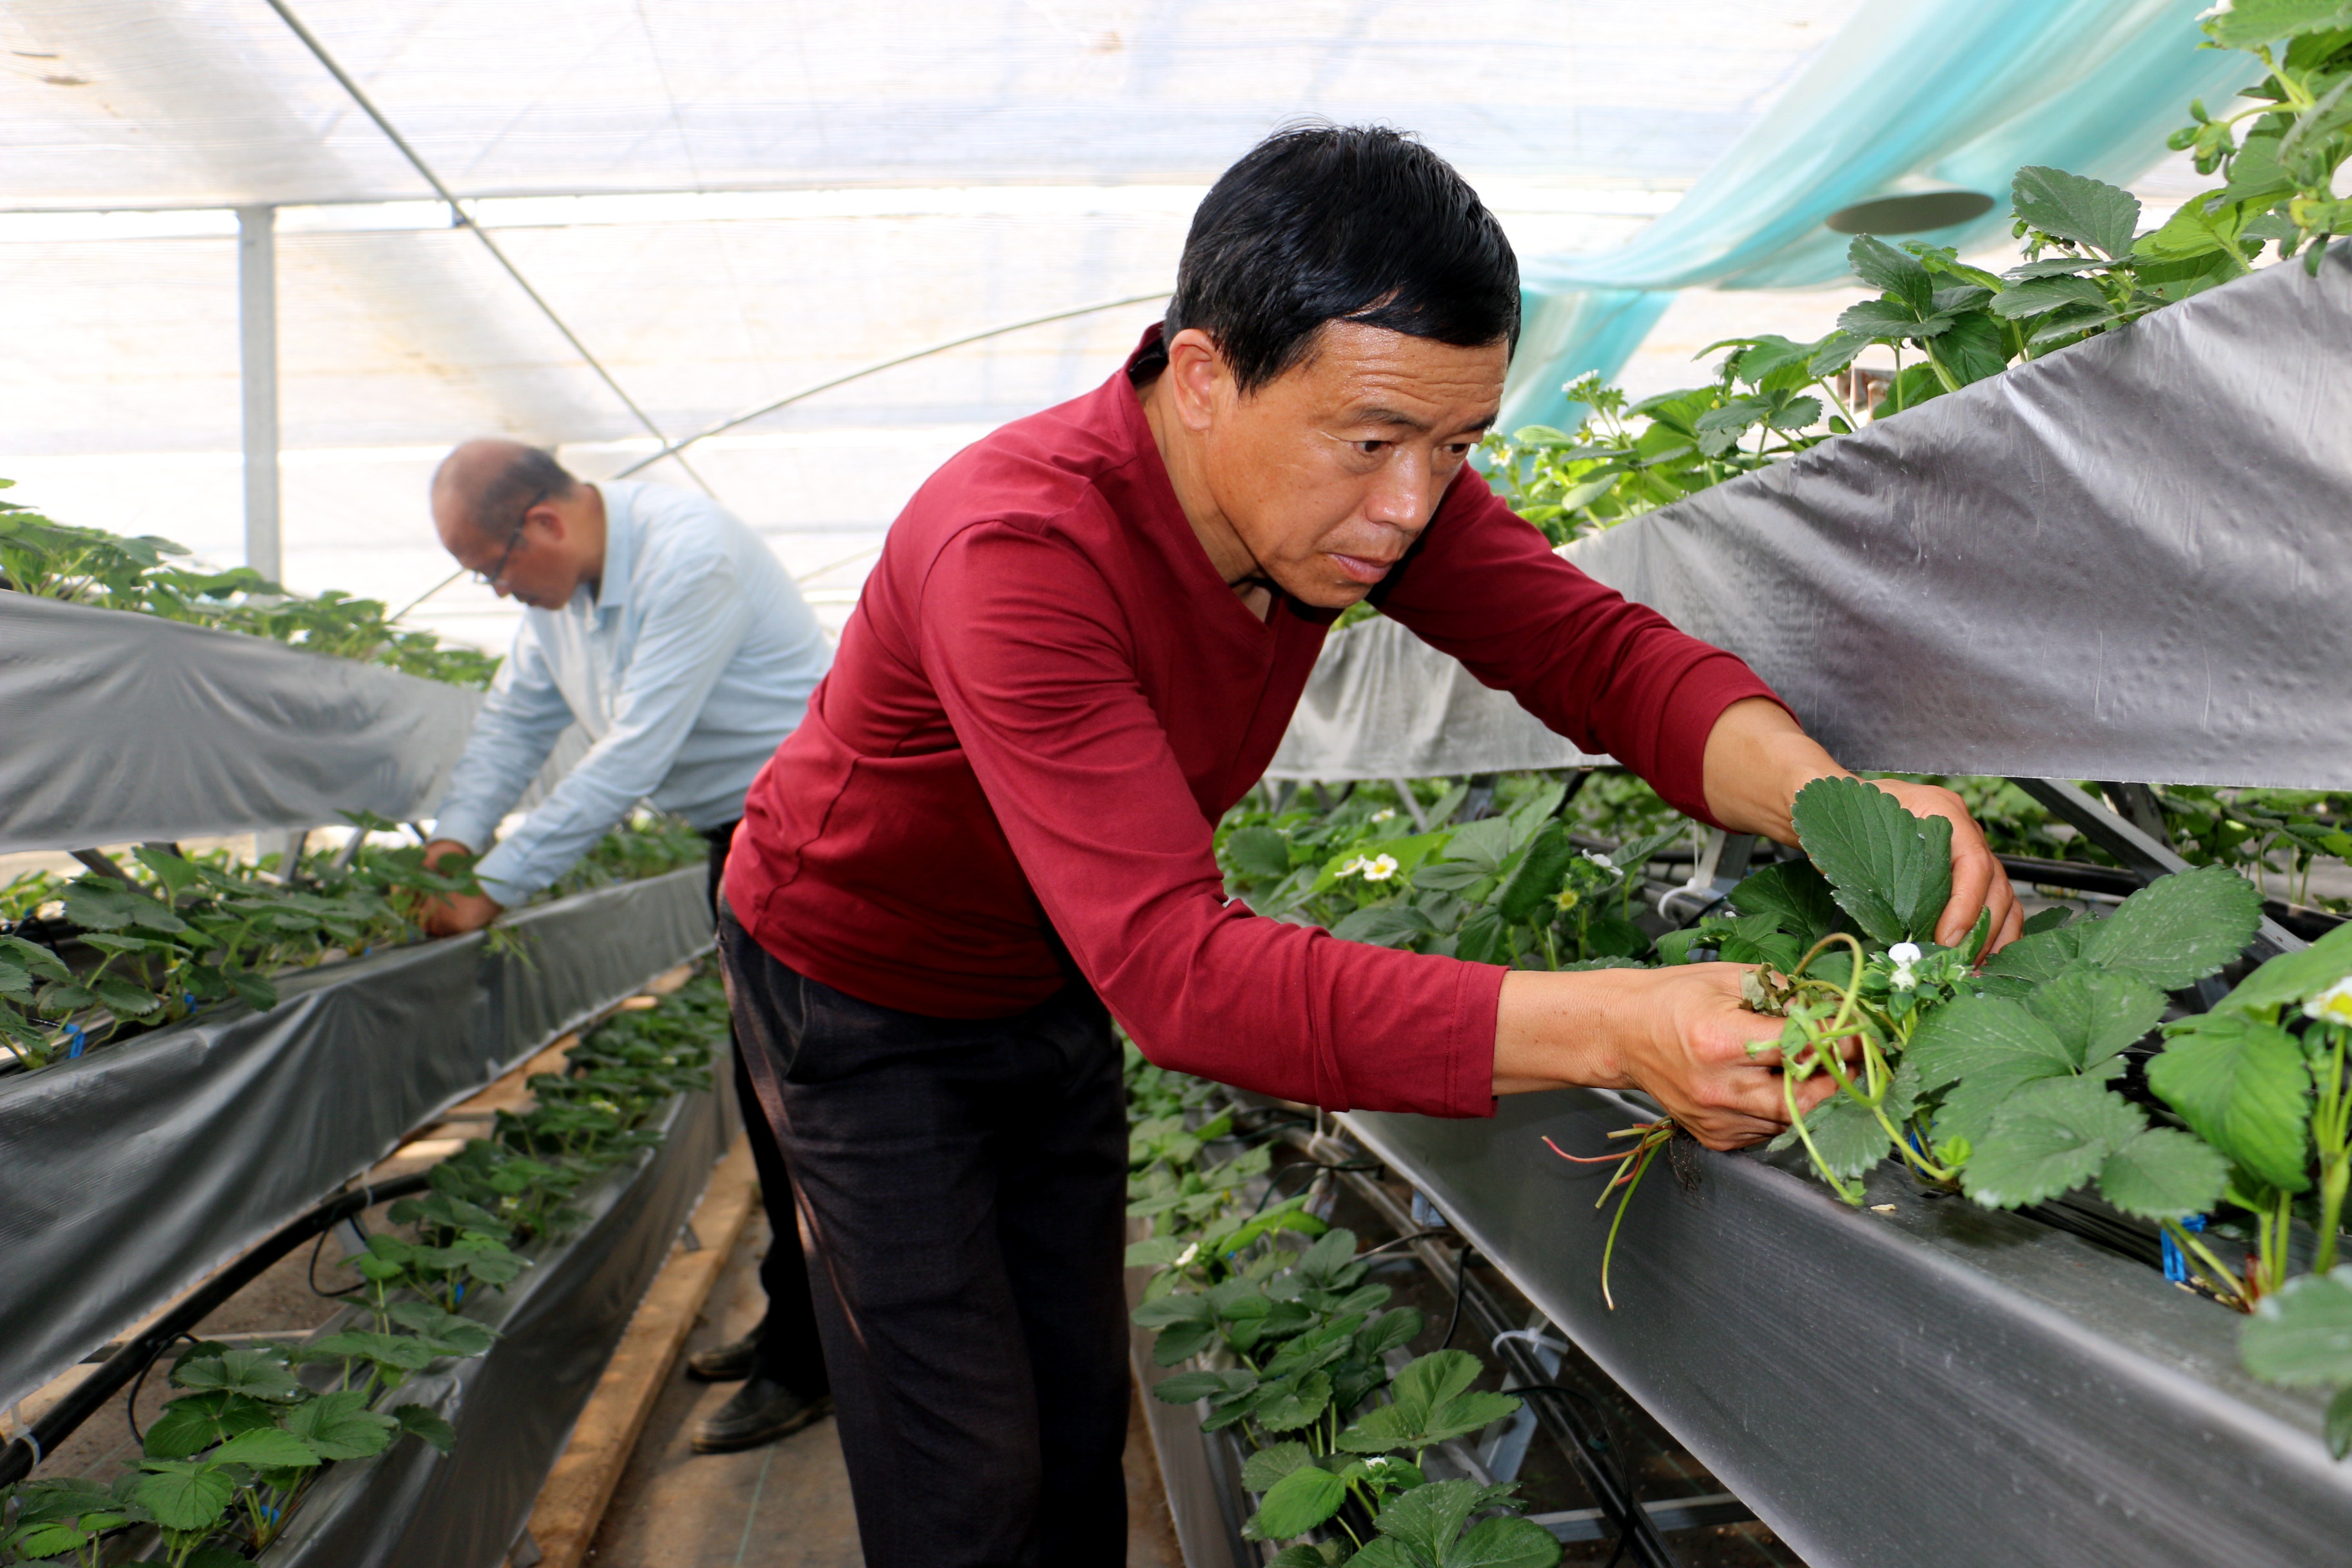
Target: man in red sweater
(991, 834)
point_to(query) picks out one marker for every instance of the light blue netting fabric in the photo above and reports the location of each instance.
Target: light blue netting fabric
(1912, 95)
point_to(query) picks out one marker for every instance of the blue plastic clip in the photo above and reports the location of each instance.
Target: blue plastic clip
(80, 1041)
(2176, 1266)
(459, 1299)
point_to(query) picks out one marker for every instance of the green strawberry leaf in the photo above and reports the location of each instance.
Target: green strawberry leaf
(2292, 977)
(1890, 870)
(2164, 1174)
(184, 1494)
(2303, 1335)
(2243, 1085)
(2074, 206)
(267, 1449)
(339, 1425)
(2178, 929)
(1298, 1503)
(1509, 1542)
(2049, 1138)
(2095, 1014)
(423, 1422)
(1269, 1465)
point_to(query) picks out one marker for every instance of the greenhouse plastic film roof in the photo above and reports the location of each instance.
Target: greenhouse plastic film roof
(725, 201)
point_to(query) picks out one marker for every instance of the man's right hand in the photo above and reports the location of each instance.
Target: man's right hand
(1680, 1034)
(452, 914)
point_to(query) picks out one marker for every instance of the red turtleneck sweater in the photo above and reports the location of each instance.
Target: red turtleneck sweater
(1047, 696)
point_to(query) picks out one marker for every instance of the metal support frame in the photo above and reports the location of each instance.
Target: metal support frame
(459, 217)
(2134, 847)
(257, 344)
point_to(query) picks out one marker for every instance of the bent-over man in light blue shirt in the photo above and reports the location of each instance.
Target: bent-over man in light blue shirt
(658, 621)
(671, 634)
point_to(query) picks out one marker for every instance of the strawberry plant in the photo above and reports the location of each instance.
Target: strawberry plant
(2087, 270)
(88, 567)
(227, 1460)
(88, 961)
(1290, 1348)
(1513, 888)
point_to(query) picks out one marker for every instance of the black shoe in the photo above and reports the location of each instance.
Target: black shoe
(761, 1413)
(727, 1363)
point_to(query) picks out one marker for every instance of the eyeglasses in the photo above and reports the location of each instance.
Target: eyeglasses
(492, 576)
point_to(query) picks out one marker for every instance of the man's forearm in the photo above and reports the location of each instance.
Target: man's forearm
(1757, 758)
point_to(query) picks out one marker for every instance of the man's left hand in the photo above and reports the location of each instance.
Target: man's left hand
(1978, 880)
(1757, 758)
(453, 914)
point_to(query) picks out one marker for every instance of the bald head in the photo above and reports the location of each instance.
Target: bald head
(482, 489)
(509, 513)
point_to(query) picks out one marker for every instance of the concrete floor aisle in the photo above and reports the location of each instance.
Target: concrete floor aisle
(787, 1505)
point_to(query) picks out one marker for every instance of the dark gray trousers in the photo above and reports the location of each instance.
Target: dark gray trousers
(963, 1182)
(790, 1351)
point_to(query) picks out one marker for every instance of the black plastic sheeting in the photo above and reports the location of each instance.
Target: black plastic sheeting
(1935, 1384)
(2130, 560)
(131, 1173)
(411, 1507)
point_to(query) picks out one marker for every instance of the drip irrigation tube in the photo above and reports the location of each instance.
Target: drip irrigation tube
(90, 1395)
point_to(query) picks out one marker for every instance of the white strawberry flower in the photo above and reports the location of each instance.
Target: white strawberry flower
(1380, 867)
(2333, 1006)
(1385, 814)
(1354, 864)
(1184, 1258)
(1605, 863)
(1905, 954)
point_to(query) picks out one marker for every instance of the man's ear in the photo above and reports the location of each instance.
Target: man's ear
(1197, 378)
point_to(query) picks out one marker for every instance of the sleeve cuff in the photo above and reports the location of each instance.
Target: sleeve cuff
(1689, 717)
(1470, 1088)
(466, 828)
(505, 881)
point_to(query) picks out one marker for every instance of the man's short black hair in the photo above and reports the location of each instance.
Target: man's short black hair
(1354, 222)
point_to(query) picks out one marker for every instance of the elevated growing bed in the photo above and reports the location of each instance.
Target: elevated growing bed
(128, 1173)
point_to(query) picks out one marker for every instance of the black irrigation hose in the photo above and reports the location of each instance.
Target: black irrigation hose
(312, 1274)
(1273, 1182)
(1461, 1280)
(132, 1360)
(1402, 1240)
(1605, 1443)
(131, 1405)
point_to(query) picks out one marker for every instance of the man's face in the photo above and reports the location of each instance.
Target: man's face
(537, 571)
(1332, 470)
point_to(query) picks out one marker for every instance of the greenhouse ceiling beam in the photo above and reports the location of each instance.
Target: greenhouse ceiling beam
(671, 449)
(256, 364)
(460, 218)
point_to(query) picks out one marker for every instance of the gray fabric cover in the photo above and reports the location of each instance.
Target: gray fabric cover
(2130, 560)
(514, 1407)
(132, 1171)
(1931, 1383)
(1383, 704)
(124, 728)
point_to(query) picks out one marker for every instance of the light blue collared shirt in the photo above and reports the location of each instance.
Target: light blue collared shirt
(688, 668)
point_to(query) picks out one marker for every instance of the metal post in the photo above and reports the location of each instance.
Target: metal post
(256, 301)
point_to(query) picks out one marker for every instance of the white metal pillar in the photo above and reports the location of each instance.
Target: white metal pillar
(256, 301)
